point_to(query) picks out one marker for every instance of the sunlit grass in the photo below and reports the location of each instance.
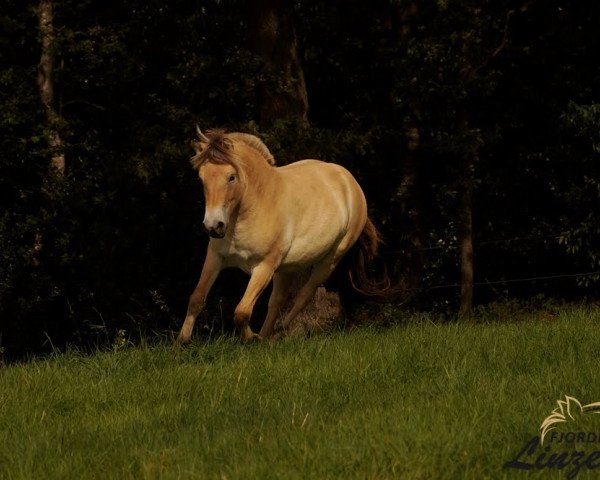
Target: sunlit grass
(418, 401)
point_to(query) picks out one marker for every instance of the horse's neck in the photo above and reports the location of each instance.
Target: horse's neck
(261, 192)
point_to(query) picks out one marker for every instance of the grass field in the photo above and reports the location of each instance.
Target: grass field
(415, 401)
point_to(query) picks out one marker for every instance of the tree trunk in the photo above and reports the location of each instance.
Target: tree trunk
(281, 89)
(45, 82)
(466, 245)
(412, 263)
(281, 93)
(402, 21)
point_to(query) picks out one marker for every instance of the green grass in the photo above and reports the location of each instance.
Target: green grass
(418, 401)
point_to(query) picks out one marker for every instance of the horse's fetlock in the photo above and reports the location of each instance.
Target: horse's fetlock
(241, 317)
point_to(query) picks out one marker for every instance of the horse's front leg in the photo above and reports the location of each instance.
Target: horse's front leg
(260, 278)
(210, 271)
(280, 293)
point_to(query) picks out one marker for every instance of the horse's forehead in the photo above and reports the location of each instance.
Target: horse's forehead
(211, 169)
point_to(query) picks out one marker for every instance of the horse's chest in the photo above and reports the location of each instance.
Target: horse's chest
(238, 257)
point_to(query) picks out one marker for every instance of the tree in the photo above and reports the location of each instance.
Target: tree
(281, 90)
(434, 109)
(403, 18)
(45, 81)
(466, 241)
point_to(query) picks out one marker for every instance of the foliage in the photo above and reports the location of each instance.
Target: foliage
(508, 87)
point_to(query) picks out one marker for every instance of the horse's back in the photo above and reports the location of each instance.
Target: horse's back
(319, 173)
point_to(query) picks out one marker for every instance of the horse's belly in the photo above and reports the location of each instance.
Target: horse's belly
(303, 254)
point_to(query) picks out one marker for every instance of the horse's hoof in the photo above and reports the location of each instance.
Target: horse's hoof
(182, 340)
(253, 338)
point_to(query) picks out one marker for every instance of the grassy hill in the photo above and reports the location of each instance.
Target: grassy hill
(414, 401)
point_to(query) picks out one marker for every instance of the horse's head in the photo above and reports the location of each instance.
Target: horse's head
(224, 174)
(222, 193)
(218, 170)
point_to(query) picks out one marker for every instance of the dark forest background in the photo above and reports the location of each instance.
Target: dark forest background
(469, 124)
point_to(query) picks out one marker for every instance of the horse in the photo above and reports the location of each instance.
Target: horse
(274, 222)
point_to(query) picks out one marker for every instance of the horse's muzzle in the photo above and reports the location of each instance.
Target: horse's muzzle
(216, 234)
(218, 231)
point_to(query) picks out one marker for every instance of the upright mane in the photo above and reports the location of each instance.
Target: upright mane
(217, 147)
(256, 143)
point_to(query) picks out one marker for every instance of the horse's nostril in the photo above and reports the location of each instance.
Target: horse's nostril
(220, 225)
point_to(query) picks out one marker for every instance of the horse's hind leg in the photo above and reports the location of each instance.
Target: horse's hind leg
(321, 272)
(281, 289)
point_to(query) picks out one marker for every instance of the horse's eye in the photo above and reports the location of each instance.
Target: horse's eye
(231, 178)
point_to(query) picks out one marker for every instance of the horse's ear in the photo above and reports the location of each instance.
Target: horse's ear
(200, 144)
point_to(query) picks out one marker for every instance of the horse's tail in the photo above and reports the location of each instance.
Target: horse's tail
(364, 252)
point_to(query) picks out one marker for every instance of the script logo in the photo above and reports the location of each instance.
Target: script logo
(566, 410)
(569, 440)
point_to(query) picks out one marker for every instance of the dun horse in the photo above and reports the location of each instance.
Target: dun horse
(273, 222)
